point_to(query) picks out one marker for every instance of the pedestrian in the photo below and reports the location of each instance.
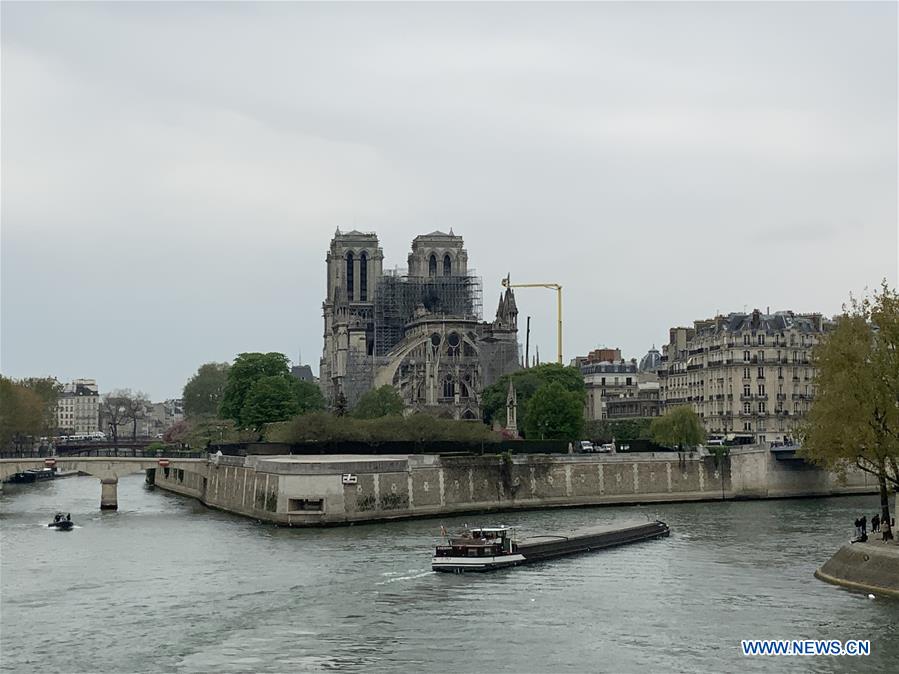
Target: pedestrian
(858, 530)
(875, 523)
(864, 524)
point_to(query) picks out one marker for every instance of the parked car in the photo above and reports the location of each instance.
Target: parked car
(607, 448)
(586, 446)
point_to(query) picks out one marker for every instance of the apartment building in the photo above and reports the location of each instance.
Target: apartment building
(747, 376)
(78, 408)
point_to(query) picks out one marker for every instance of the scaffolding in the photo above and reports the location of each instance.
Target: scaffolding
(401, 298)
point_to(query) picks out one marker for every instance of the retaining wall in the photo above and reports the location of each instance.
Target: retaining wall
(336, 489)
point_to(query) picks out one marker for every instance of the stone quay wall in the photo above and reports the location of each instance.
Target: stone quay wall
(315, 490)
(869, 567)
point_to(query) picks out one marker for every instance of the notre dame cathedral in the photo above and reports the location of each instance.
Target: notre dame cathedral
(419, 331)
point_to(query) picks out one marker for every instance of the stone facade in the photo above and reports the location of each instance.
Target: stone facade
(78, 408)
(745, 375)
(420, 331)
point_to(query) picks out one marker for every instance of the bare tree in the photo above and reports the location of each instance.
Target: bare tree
(113, 409)
(136, 407)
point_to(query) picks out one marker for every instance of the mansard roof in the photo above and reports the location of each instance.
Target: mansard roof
(762, 322)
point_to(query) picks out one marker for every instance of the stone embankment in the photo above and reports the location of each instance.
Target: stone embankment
(870, 567)
(316, 490)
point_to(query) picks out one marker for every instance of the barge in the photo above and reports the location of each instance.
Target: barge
(32, 475)
(488, 548)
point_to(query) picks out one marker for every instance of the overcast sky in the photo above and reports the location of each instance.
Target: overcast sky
(172, 173)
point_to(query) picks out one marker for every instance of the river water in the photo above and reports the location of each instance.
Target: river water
(167, 585)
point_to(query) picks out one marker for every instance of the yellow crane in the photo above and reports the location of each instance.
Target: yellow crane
(552, 286)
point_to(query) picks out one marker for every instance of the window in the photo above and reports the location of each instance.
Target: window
(628, 382)
(762, 407)
(746, 356)
(432, 265)
(761, 340)
(761, 389)
(746, 390)
(447, 265)
(747, 408)
(363, 278)
(761, 373)
(745, 373)
(449, 387)
(761, 356)
(349, 276)
(746, 339)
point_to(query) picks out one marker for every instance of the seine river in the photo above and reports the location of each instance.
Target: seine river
(166, 585)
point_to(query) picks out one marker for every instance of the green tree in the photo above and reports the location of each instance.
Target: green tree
(269, 399)
(422, 428)
(247, 369)
(22, 414)
(679, 428)
(204, 392)
(854, 419)
(340, 405)
(380, 402)
(554, 413)
(621, 430)
(527, 382)
(309, 397)
(49, 390)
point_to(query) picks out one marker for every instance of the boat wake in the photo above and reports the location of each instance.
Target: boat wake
(415, 573)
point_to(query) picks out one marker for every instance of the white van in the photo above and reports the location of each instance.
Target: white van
(586, 446)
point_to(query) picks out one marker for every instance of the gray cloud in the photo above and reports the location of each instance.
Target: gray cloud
(172, 173)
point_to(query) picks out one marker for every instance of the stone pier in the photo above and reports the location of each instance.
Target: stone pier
(109, 493)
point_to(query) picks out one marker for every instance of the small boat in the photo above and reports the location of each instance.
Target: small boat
(62, 522)
(488, 548)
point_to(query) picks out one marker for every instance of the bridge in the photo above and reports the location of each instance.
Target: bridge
(108, 468)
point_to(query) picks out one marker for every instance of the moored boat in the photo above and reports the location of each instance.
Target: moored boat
(33, 475)
(488, 548)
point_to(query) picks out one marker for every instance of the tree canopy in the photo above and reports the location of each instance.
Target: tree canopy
(380, 402)
(203, 393)
(527, 382)
(325, 427)
(854, 418)
(620, 430)
(554, 413)
(269, 399)
(679, 428)
(261, 390)
(22, 412)
(309, 397)
(246, 370)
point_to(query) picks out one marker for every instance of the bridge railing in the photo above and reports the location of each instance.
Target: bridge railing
(27, 454)
(121, 452)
